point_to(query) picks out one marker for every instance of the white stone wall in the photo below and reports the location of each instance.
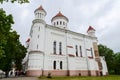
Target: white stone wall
(77, 63)
(93, 65)
(48, 63)
(35, 61)
(71, 39)
(37, 37)
(104, 65)
(54, 35)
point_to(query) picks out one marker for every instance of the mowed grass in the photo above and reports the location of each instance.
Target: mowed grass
(110, 77)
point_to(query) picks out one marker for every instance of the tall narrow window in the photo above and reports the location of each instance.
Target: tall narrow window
(39, 28)
(57, 22)
(80, 51)
(60, 48)
(38, 15)
(54, 65)
(91, 53)
(38, 36)
(54, 47)
(60, 64)
(60, 23)
(37, 46)
(63, 23)
(76, 50)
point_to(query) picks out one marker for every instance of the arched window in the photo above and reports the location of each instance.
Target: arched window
(80, 51)
(57, 22)
(60, 48)
(63, 23)
(60, 23)
(54, 65)
(91, 53)
(60, 64)
(39, 28)
(38, 15)
(76, 50)
(54, 47)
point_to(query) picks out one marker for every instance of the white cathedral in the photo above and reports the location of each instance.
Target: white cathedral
(59, 51)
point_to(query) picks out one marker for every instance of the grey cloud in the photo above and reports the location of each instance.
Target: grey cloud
(81, 14)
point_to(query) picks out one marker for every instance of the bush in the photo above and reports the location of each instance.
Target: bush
(49, 75)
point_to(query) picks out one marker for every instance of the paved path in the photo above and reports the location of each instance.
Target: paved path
(21, 78)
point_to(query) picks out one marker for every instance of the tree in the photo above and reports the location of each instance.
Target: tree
(14, 51)
(10, 47)
(117, 63)
(5, 26)
(109, 56)
(12, 1)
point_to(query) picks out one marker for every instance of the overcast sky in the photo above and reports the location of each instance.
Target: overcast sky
(103, 15)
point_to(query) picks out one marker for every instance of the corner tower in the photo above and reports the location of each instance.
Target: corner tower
(59, 20)
(36, 45)
(37, 30)
(91, 31)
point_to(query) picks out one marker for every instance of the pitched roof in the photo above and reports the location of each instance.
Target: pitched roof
(59, 14)
(90, 28)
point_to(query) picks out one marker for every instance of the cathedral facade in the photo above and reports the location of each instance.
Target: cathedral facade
(56, 50)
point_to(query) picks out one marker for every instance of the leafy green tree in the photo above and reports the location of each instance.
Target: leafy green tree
(10, 47)
(5, 26)
(19, 1)
(14, 51)
(117, 63)
(109, 56)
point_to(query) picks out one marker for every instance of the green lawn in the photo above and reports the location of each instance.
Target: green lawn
(111, 77)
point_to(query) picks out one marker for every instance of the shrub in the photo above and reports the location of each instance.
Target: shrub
(49, 75)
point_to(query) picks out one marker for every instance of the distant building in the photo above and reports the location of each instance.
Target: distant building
(57, 50)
